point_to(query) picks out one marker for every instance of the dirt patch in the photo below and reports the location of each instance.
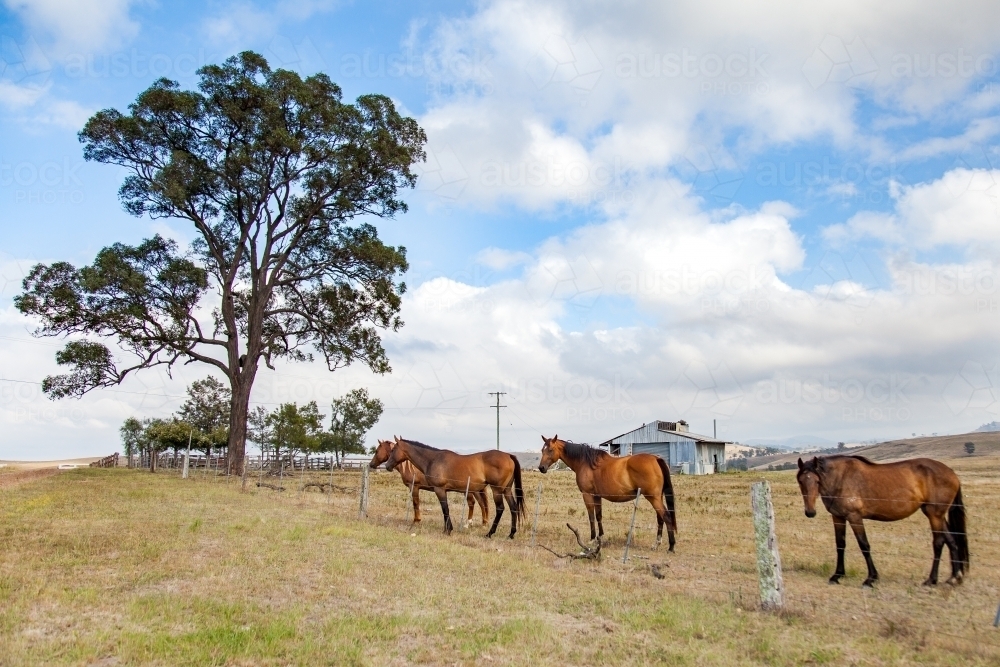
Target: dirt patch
(21, 477)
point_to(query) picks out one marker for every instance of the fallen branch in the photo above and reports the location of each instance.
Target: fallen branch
(592, 552)
(323, 486)
(270, 486)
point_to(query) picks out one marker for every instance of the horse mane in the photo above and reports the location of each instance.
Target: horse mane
(417, 443)
(582, 451)
(834, 457)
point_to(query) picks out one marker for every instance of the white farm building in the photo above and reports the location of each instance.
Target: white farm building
(685, 452)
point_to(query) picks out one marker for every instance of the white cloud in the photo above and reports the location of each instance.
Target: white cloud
(500, 259)
(662, 80)
(77, 25)
(962, 209)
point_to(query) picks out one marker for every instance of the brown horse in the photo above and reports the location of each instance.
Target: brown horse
(601, 476)
(854, 488)
(414, 479)
(445, 471)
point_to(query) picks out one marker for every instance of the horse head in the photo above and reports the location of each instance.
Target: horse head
(382, 452)
(552, 451)
(397, 454)
(808, 479)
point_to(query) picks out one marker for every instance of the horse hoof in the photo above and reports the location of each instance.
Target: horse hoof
(869, 583)
(930, 582)
(835, 579)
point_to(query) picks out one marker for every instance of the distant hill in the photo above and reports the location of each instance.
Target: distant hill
(797, 442)
(936, 447)
(988, 428)
(528, 459)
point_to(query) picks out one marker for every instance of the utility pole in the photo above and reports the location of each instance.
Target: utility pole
(498, 394)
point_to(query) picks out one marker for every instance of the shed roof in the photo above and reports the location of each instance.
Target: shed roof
(665, 427)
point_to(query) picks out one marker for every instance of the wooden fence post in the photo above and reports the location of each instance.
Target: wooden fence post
(465, 521)
(363, 507)
(772, 586)
(413, 507)
(538, 502)
(628, 540)
(329, 499)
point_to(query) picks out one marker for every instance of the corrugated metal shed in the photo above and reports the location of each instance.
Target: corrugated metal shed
(687, 452)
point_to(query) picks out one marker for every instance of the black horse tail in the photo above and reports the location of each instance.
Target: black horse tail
(956, 526)
(668, 495)
(518, 489)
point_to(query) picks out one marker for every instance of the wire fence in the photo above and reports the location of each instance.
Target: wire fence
(715, 553)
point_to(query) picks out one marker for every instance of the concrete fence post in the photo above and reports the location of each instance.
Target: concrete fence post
(187, 456)
(772, 586)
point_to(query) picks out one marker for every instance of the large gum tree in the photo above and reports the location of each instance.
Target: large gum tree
(276, 175)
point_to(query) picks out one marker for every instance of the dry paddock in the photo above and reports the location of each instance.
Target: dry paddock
(127, 568)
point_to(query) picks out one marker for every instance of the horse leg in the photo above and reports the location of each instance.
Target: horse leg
(498, 501)
(661, 518)
(508, 494)
(588, 500)
(416, 504)
(840, 535)
(443, 499)
(483, 505)
(471, 499)
(858, 526)
(598, 514)
(938, 530)
(944, 531)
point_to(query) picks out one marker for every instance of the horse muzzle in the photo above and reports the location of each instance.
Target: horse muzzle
(542, 468)
(810, 513)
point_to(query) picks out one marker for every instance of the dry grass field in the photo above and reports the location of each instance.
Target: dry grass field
(116, 567)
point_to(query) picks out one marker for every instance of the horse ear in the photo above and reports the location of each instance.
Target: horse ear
(555, 437)
(815, 463)
(800, 464)
(544, 439)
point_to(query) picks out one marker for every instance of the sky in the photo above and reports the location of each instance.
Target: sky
(777, 222)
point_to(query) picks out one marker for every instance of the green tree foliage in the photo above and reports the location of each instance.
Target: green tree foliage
(132, 431)
(353, 415)
(294, 428)
(273, 172)
(162, 434)
(207, 410)
(970, 448)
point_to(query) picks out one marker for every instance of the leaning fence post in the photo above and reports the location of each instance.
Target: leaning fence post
(538, 502)
(465, 522)
(628, 540)
(363, 504)
(772, 586)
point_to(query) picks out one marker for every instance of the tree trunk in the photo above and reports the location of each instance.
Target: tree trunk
(238, 412)
(152, 460)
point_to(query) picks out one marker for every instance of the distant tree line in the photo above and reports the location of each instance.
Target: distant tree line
(202, 423)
